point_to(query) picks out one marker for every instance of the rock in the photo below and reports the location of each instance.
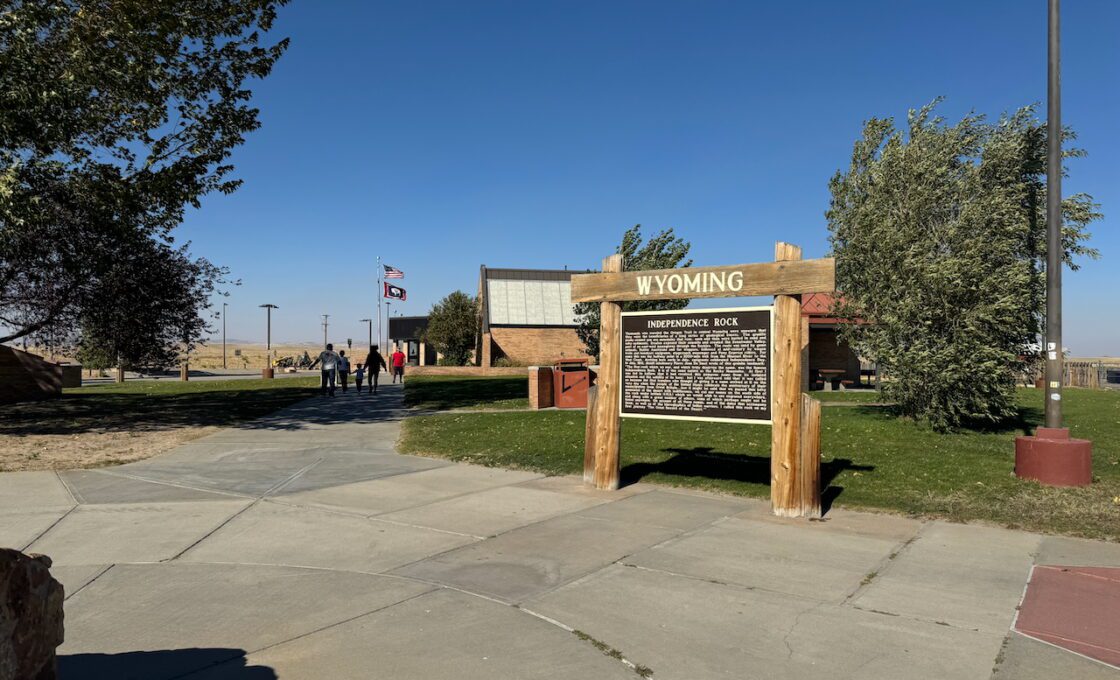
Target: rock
(30, 617)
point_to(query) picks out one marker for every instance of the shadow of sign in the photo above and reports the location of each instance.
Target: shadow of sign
(704, 461)
(223, 664)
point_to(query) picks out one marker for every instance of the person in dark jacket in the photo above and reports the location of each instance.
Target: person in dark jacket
(374, 363)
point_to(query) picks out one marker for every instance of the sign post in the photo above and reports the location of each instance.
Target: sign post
(795, 418)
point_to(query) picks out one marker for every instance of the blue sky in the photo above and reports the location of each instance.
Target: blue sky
(446, 135)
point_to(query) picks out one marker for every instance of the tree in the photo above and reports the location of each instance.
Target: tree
(664, 251)
(453, 327)
(113, 118)
(940, 244)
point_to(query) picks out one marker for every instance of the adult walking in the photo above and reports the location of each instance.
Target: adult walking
(343, 368)
(328, 361)
(398, 364)
(374, 363)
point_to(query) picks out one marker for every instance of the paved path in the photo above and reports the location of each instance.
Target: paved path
(302, 546)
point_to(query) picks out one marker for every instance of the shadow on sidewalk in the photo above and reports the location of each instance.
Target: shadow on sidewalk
(164, 663)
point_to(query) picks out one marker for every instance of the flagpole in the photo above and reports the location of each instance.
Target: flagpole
(379, 291)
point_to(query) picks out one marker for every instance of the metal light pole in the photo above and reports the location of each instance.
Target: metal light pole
(325, 317)
(388, 326)
(267, 371)
(370, 322)
(224, 305)
(1054, 250)
(1051, 456)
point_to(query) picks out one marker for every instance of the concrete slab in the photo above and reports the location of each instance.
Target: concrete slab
(494, 511)
(406, 491)
(178, 606)
(270, 533)
(97, 487)
(967, 576)
(1077, 552)
(19, 528)
(146, 532)
(688, 628)
(678, 511)
(444, 634)
(1025, 659)
(573, 485)
(839, 520)
(795, 559)
(345, 467)
(27, 490)
(531, 560)
(245, 472)
(74, 577)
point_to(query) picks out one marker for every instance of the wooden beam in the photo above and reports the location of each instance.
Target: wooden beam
(809, 487)
(589, 438)
(785, 459)
(608, 420)
(786, 277)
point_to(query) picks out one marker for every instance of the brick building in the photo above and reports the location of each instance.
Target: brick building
(405, 332)
(829, 358)
(527, 317)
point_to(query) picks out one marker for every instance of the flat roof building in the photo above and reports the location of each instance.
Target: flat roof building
(527, 317)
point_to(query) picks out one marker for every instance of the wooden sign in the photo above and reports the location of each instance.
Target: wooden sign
(769, 278)
(711, 364)
(794, 417)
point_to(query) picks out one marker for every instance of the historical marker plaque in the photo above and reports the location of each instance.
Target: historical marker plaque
(697, 364)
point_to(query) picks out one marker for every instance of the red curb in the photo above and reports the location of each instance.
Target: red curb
(1076, 608)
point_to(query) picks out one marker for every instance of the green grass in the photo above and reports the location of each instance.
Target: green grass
(849, 396)
(150, 405)
(446, 392)
(872, 459)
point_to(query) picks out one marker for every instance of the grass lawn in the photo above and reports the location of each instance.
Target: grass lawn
(118, 423)
(871, 459)
(446, 392)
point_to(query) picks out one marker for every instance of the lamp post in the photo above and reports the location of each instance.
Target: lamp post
(1051, 456)
(325, 317)
(370, 322)
(388, 325)
(224, 306)
(267, 371)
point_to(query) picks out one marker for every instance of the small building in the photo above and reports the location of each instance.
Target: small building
(28, 377)
(831, 361)
(527, 317)
(406, 332)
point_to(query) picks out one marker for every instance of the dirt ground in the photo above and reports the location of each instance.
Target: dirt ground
(90, 449)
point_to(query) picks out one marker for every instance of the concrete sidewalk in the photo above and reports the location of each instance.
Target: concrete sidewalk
(303, 546)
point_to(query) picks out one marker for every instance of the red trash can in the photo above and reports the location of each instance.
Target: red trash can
(571, 379)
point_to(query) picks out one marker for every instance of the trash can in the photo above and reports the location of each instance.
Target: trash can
(570, 381)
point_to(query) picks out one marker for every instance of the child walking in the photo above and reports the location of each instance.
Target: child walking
(359, 374)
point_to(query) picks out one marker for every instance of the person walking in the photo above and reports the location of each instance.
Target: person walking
(359, 373)
(328, 362)
(398, 364)
(343, 368)
(374, 363)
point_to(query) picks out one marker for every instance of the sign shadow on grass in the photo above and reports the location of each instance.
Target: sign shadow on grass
(705, 462)
(224, 664)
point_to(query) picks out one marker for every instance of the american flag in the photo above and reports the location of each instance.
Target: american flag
(392, 272)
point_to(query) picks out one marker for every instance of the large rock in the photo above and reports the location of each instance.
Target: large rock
(30, 617)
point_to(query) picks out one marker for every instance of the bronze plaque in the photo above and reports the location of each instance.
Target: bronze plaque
(698, 364)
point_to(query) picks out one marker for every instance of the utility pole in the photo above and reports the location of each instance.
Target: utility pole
(1054, 249)
(268, 337)
(224, 305)
(370, 322)
(325, 317)
(1050, 455)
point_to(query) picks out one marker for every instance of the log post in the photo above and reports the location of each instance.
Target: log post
(589, 438)
(785, 454)
(608, 420)
(810, 455)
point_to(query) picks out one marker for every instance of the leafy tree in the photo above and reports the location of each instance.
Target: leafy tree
(940, 241)
(663, 251)
(453, 327)
(115, 116)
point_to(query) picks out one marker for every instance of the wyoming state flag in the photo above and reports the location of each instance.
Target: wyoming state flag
(395, 292)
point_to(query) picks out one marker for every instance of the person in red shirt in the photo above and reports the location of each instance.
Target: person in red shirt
(398, 364)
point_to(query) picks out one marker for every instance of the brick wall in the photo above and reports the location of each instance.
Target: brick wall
(465, 371)
(26, 377)
(536, 346)
(824, 352)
